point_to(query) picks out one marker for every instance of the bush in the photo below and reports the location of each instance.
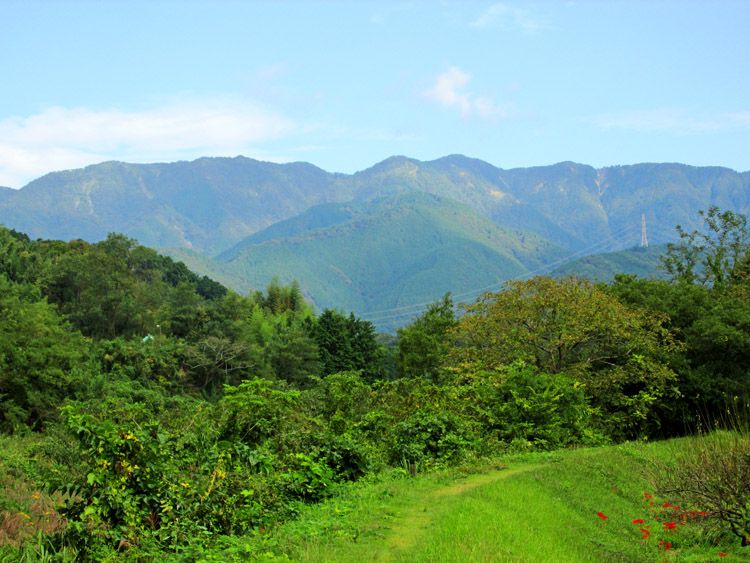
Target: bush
(518, 404)
(429, 436)
(713, 476)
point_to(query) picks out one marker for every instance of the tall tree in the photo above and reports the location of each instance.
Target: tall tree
(571, 326)
(347, 344)
(423, 344)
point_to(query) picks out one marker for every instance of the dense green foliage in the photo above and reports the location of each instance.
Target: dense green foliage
(174, 416)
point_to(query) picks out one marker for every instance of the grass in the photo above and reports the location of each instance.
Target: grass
(542, 507)
(530, 507)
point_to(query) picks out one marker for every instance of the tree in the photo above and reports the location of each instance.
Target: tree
(279, 299)
(711, 257)
(346, 344)
(41, 361)
(423, 344)
(571, 326)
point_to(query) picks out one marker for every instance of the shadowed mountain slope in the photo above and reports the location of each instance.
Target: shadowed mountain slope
(387, 253)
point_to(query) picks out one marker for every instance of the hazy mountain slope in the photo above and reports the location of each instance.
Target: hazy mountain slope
(212, 203)
(669, 194)
(392, 251)
(641, 262)
(207, 204)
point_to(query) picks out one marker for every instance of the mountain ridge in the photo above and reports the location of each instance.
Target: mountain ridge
(211, 203)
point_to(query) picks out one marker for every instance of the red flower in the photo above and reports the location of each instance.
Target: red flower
(646, 533)
(667, 504)
(602, 516)
(639, 521)
(668, 545)
(646, 495)
(722, 554)
(670, 525)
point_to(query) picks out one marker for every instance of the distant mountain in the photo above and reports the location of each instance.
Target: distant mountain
(6, 193)
(207, 205)
(641, 262)
(387, 253)
(210, 204)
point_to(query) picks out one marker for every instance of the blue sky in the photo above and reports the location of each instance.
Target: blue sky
(346, 84)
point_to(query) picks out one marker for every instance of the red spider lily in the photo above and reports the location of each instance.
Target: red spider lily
(722, 554)
(646, 533)
(670, 525)
(665, 545)
(667, 504)
(602, 516)
(646, 495)
(639, 521)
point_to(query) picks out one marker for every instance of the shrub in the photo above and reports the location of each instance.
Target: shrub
(429, 436)
(713, 476)
(518, 404)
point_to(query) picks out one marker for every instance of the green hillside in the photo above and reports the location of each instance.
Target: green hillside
(641, 262)
(389, 253)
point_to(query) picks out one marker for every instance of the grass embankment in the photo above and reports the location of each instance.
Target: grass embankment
(541, 507)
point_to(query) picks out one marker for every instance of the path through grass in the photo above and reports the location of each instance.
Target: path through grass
(540, 508)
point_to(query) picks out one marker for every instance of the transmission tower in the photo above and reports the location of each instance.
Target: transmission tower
(644, 234)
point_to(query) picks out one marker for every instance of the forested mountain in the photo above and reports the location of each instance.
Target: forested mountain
(211, 204)
(399, 233)
(637, 261)
(388, 252)
(208, 204)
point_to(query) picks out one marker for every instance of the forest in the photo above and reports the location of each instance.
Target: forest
(146, 411)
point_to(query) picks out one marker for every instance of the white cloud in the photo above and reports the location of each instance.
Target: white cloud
(61, 138)
(505, 16)
(672, 120)
(450, 91)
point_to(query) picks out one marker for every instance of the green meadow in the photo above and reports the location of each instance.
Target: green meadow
(531, 507)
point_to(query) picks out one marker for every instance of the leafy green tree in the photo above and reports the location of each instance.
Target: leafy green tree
(279, 299)
(346, 344)
(94, 288)
(293, 354)
(42, 361)
(570, 326)
(423, 345)
(713, 256)
(18, 261)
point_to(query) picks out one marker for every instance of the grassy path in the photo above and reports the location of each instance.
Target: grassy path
(541, 508)
(410, 530)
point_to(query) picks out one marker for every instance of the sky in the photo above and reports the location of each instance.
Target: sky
(344, 85)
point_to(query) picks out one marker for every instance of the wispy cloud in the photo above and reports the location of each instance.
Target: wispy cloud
(60, 138)
(450, 90)
(503, 15)
(673, 120)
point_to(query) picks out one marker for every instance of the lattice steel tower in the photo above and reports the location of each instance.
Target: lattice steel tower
(644, 234)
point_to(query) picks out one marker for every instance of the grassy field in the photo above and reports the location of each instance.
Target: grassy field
(532, 507)
(539, 507)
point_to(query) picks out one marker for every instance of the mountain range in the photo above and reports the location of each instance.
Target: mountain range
(384, 239)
